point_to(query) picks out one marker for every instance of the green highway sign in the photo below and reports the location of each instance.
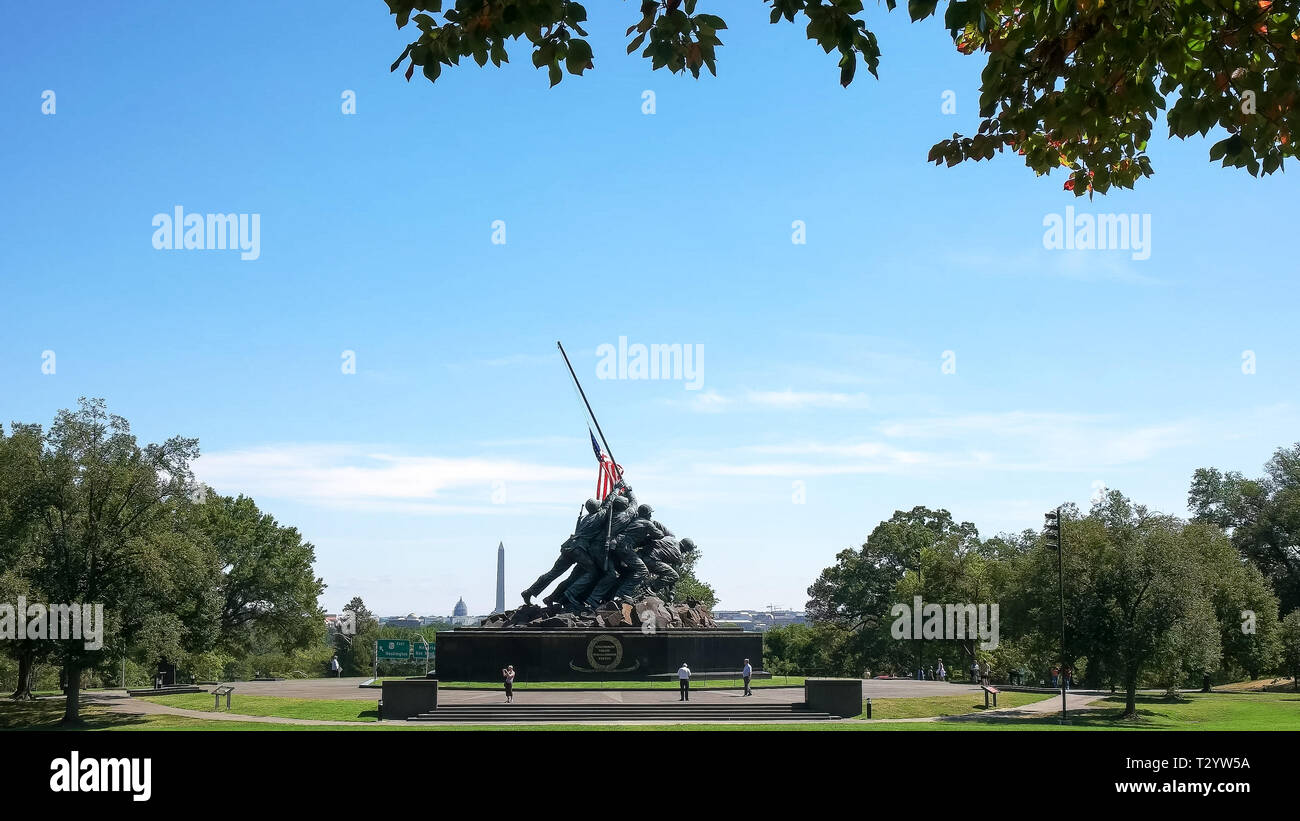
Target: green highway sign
(417, 650)
(393, 650)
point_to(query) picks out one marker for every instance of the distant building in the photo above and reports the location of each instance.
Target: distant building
(758, 621)
(409, 620)
(460, 615)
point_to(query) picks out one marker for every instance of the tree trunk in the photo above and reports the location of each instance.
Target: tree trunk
(72, 709)
(1130, 697)
(26, 675)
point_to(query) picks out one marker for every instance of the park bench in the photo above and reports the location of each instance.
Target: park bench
(989, 691)
(224, 690)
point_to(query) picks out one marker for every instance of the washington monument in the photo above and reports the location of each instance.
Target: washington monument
(501, 578)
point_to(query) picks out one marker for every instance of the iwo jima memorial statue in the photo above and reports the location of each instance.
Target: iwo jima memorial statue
(615, 615)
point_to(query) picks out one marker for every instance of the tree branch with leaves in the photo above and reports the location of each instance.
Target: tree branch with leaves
(1067, 84)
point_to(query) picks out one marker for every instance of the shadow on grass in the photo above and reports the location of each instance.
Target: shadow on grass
(47, 714)
(1104, 716)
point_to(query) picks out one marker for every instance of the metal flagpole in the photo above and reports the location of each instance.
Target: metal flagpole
(609, 523)
(583, 394)
(1060, 577)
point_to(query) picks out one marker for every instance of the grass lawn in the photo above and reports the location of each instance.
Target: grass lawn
(945, 705)
(318, 709)
(1199, 711)
(667, 684)
(45, 715)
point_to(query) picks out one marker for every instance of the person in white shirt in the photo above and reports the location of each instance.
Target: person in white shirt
(684, 681)
(747, 672)
(508, 674)
(940, 673)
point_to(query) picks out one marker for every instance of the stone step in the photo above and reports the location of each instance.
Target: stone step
(170, 690)
(611, 710)
(629, 705)
(620, 712)
(521, 718)
(598, 712)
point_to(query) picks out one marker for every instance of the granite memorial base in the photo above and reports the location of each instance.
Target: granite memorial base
(404, 698)
(837, 696)
(591, 654)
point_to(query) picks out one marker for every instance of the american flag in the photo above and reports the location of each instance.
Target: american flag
(609, 472)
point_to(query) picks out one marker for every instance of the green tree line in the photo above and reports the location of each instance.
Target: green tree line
(91, 516)
(1151, 600)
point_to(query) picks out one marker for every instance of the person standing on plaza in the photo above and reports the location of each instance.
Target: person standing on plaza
(684, 681)
(508, 675)
(747, 672)
(940, 673)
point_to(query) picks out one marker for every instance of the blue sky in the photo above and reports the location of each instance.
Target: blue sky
(821, 361)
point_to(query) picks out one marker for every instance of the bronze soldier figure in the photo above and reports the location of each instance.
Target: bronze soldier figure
(571, 552)
(664, 558)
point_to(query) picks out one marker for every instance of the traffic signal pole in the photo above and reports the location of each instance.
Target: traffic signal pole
(1053, 527)
(1060, 577)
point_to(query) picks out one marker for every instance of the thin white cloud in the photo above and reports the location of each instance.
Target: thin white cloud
(515, 360)
(1083, 266)
(788, 399)
(355, 476)
(708, 402)
(1014, 441)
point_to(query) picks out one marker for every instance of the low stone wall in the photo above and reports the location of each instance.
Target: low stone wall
(837, 696)
(404, 698)
(478, 654)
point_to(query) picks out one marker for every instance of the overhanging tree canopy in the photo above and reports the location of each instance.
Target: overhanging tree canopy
(1067, 83)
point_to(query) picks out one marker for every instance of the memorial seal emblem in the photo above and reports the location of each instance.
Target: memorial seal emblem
(604, 653)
